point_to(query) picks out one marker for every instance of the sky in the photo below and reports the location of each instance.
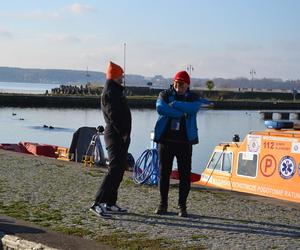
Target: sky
(214, 38)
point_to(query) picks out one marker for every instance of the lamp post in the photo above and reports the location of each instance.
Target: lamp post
(252, 73)
(190, 68)
(124, 61)
(87, 75)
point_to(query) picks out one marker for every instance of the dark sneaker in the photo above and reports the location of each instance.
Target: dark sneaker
(161, 209)
(100, 210)
(182, 212)
(115, 209)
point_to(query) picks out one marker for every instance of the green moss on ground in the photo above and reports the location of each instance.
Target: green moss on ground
(76, 230)
(35, 213)
(135, 241)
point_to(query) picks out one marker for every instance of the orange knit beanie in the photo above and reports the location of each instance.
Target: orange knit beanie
(114, 71)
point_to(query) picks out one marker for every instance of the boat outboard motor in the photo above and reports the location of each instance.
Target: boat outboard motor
(236, 138)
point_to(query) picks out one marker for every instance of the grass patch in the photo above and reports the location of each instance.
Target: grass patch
(134, 241)
(200, 247)
(94, 172)
(142, 97)
(127, 182)
(1, 187)
(199, 236)
(78, 221)
(40, 214)
(16, 209)
(79, 231)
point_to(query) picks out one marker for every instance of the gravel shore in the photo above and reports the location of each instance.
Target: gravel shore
(57, 195)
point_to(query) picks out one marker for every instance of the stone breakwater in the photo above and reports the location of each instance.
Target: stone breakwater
(148, 102)
(57, 195)
(67, 101)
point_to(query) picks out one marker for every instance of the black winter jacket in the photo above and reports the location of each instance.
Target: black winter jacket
(115, 109)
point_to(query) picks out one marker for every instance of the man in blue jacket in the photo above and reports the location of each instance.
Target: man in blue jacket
(175, 133)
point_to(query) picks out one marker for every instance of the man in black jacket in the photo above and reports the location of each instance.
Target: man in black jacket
(117, 117)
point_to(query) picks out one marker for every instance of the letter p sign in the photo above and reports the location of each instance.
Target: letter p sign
(268, 165)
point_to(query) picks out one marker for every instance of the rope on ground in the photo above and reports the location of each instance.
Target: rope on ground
(145, 170)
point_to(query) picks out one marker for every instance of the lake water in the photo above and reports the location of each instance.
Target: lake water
(214, 126)
(28, 88)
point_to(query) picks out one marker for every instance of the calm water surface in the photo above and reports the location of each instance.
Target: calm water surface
(214, 126)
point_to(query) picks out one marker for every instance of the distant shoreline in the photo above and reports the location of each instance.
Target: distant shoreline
(139, 102)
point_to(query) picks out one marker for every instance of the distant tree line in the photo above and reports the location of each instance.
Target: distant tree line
(92, 89)
(210, 92)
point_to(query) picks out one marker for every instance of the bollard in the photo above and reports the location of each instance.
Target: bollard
(276, 116)
(294, 116)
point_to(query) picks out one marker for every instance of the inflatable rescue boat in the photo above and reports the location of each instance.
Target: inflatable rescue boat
(265, 163)
(38, 149)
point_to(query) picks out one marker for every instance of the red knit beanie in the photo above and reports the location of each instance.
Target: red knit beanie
(182, 76)
(114, 71)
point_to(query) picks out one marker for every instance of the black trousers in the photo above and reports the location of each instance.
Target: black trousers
(183, 154)
(117, 151)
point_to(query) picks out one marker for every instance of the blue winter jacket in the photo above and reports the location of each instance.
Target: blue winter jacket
(168, 108)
